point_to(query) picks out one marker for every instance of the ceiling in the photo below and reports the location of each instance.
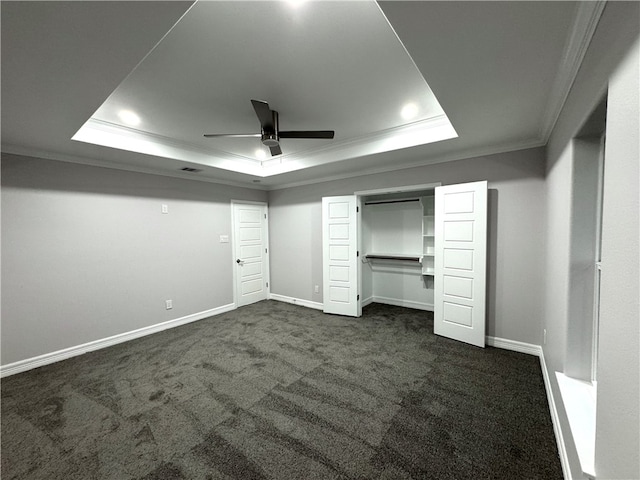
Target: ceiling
(484, 77)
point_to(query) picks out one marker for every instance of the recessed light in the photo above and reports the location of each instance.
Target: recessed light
(260, 154)
(129, 117)
(296, 3)
(409, 111)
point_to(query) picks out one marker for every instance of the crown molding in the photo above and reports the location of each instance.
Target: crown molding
(470, 153)
(92, 162)
(171, 142)
(584, 26)
(447, 157)
(111, 135)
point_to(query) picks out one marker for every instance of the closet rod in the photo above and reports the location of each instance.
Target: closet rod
(392, 201)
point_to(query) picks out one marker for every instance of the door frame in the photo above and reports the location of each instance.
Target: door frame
(265, 231)
(381, 191)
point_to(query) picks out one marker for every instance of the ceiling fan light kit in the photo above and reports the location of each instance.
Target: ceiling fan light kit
(270, 133)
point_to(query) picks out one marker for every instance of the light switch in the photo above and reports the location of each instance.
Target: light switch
(224, 238)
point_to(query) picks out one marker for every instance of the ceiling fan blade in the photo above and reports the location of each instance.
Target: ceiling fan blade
(327, 134)
(275, 150)
(265, 114)
(232, 135)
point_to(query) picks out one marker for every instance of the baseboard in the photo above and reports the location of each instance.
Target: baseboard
(537, 350)
(59, 355)
(555, 420)
(320, 306)
(513, 345)
(398, 302)
(296, 301)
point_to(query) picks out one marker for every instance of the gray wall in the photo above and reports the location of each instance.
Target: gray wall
(618, 371)
(87, 253)
(516, 233)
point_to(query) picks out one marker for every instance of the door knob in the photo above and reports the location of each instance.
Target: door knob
(239, 262)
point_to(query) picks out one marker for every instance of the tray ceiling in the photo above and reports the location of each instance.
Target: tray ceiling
(321, 65)
(486, 77)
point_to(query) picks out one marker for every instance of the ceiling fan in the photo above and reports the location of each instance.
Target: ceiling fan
(270, 134)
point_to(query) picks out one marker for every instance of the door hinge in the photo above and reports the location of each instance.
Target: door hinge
(265, 215)
(357, 209)
(265, 250)
(358, 253)
(358, 297)
(267, 284)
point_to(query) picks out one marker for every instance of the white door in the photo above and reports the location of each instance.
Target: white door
(460, 262)
(340, 255)
(250, 249)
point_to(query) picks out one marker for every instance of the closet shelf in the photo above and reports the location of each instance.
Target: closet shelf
(394, 256)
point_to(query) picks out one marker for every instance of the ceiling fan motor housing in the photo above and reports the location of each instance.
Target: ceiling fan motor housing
(269, 138)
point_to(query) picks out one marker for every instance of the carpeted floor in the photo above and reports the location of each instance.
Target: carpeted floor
(278, 391)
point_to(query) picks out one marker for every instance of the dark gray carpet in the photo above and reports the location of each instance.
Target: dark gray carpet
(277, 391)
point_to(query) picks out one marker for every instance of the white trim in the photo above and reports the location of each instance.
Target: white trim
(48, 358)
(296, 301)
(514, 345)
(91, 162)
(579, 400)
(392, 167)
(382, 137)
(210, 152)
(584, 26)
(399, 302)
(555, 420)
(107, 134)
(402, 189)
(367, 301)
(387, 301)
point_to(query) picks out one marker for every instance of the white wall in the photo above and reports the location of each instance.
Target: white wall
(394, 228)
(516, 233)
(616, 32)
(618, 417)
(87, 253)
(584, 210)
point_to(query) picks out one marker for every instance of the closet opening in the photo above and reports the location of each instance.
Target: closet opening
(421, 247)
(397, 246)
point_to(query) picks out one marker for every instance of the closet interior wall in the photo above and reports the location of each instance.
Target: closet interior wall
(396, 249)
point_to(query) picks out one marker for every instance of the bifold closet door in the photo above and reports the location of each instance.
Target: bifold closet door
(340, 255)
(460, 262)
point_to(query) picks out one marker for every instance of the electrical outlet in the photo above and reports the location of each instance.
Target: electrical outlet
(544, 336)
(165, 208)
(168, 304)
(316, 289)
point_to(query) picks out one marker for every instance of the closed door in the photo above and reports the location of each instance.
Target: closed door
(340, 252)
(250, 252)
(460, 262)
